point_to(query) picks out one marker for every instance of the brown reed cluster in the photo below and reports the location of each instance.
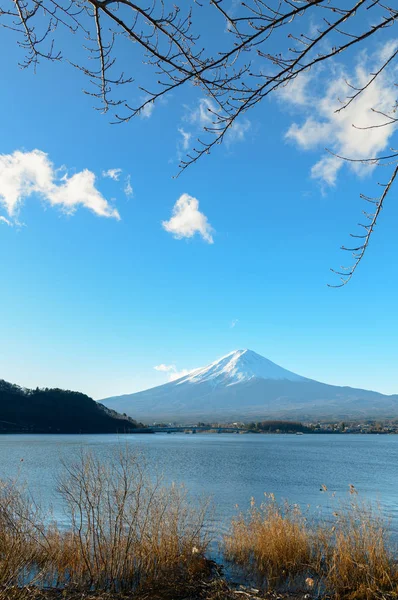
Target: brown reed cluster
(349, 556)
(126, 532)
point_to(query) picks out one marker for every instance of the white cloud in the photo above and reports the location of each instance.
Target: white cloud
(338, 130)
(178, 374)
(186, 138)
(204, 115)
(25, 173)
(387, 50)
(128, 188)
(237, 131)
(5, 221)
(234, 323)
(148, 109)
(112, 174)
(296, 91)
(165, 368)
(326, 169)
(311, 133)
(172, 371)
(187, 220)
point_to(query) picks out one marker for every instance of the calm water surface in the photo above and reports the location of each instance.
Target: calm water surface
(228, 467)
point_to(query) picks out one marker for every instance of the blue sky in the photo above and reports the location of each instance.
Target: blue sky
(95, 299)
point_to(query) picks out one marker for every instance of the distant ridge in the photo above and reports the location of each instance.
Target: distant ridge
(243, 385)
(56, 411)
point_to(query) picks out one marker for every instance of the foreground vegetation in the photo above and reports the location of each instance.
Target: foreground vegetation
(350, 556)
(128, 535)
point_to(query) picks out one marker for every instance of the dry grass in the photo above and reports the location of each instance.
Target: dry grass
(272, 541)
(127, 531)
(351, 558)
(22, 536)
(360, 559)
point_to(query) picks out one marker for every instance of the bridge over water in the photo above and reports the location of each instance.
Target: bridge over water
(195, 429)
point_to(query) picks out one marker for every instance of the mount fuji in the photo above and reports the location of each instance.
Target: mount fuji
(246, 386)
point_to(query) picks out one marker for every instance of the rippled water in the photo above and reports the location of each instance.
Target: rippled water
(228, 467)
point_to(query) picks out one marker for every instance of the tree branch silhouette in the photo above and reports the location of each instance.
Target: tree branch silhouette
(262, 46)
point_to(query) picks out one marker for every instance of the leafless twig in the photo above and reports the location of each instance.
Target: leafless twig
(263, 45)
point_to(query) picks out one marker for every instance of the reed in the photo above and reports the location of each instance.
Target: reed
(127, 530)
(22, 535)
(273, 542)
(361, 562)
(350, 558)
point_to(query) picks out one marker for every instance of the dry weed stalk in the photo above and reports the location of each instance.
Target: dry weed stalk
(351, 558)
(360, 559)
(126, 528)
(23, 540)
(127, 531)
(273, 541)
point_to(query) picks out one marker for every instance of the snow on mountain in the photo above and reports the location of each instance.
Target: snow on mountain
(237, 367)
(246, 386)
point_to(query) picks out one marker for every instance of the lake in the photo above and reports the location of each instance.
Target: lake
(230, 468)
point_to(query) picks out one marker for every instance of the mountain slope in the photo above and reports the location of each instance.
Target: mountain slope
(56, 411)
(244, 386)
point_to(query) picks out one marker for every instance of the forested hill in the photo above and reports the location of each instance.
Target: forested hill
(57, 411)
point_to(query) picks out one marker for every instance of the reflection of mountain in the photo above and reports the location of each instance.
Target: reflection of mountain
(245, 385)
(56, 411)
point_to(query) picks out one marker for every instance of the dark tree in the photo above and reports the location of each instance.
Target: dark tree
(57, 411)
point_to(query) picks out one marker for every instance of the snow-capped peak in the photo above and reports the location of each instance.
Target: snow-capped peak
(239, 366)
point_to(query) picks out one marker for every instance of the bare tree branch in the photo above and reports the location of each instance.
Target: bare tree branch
(262, 46)
(359, 251)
